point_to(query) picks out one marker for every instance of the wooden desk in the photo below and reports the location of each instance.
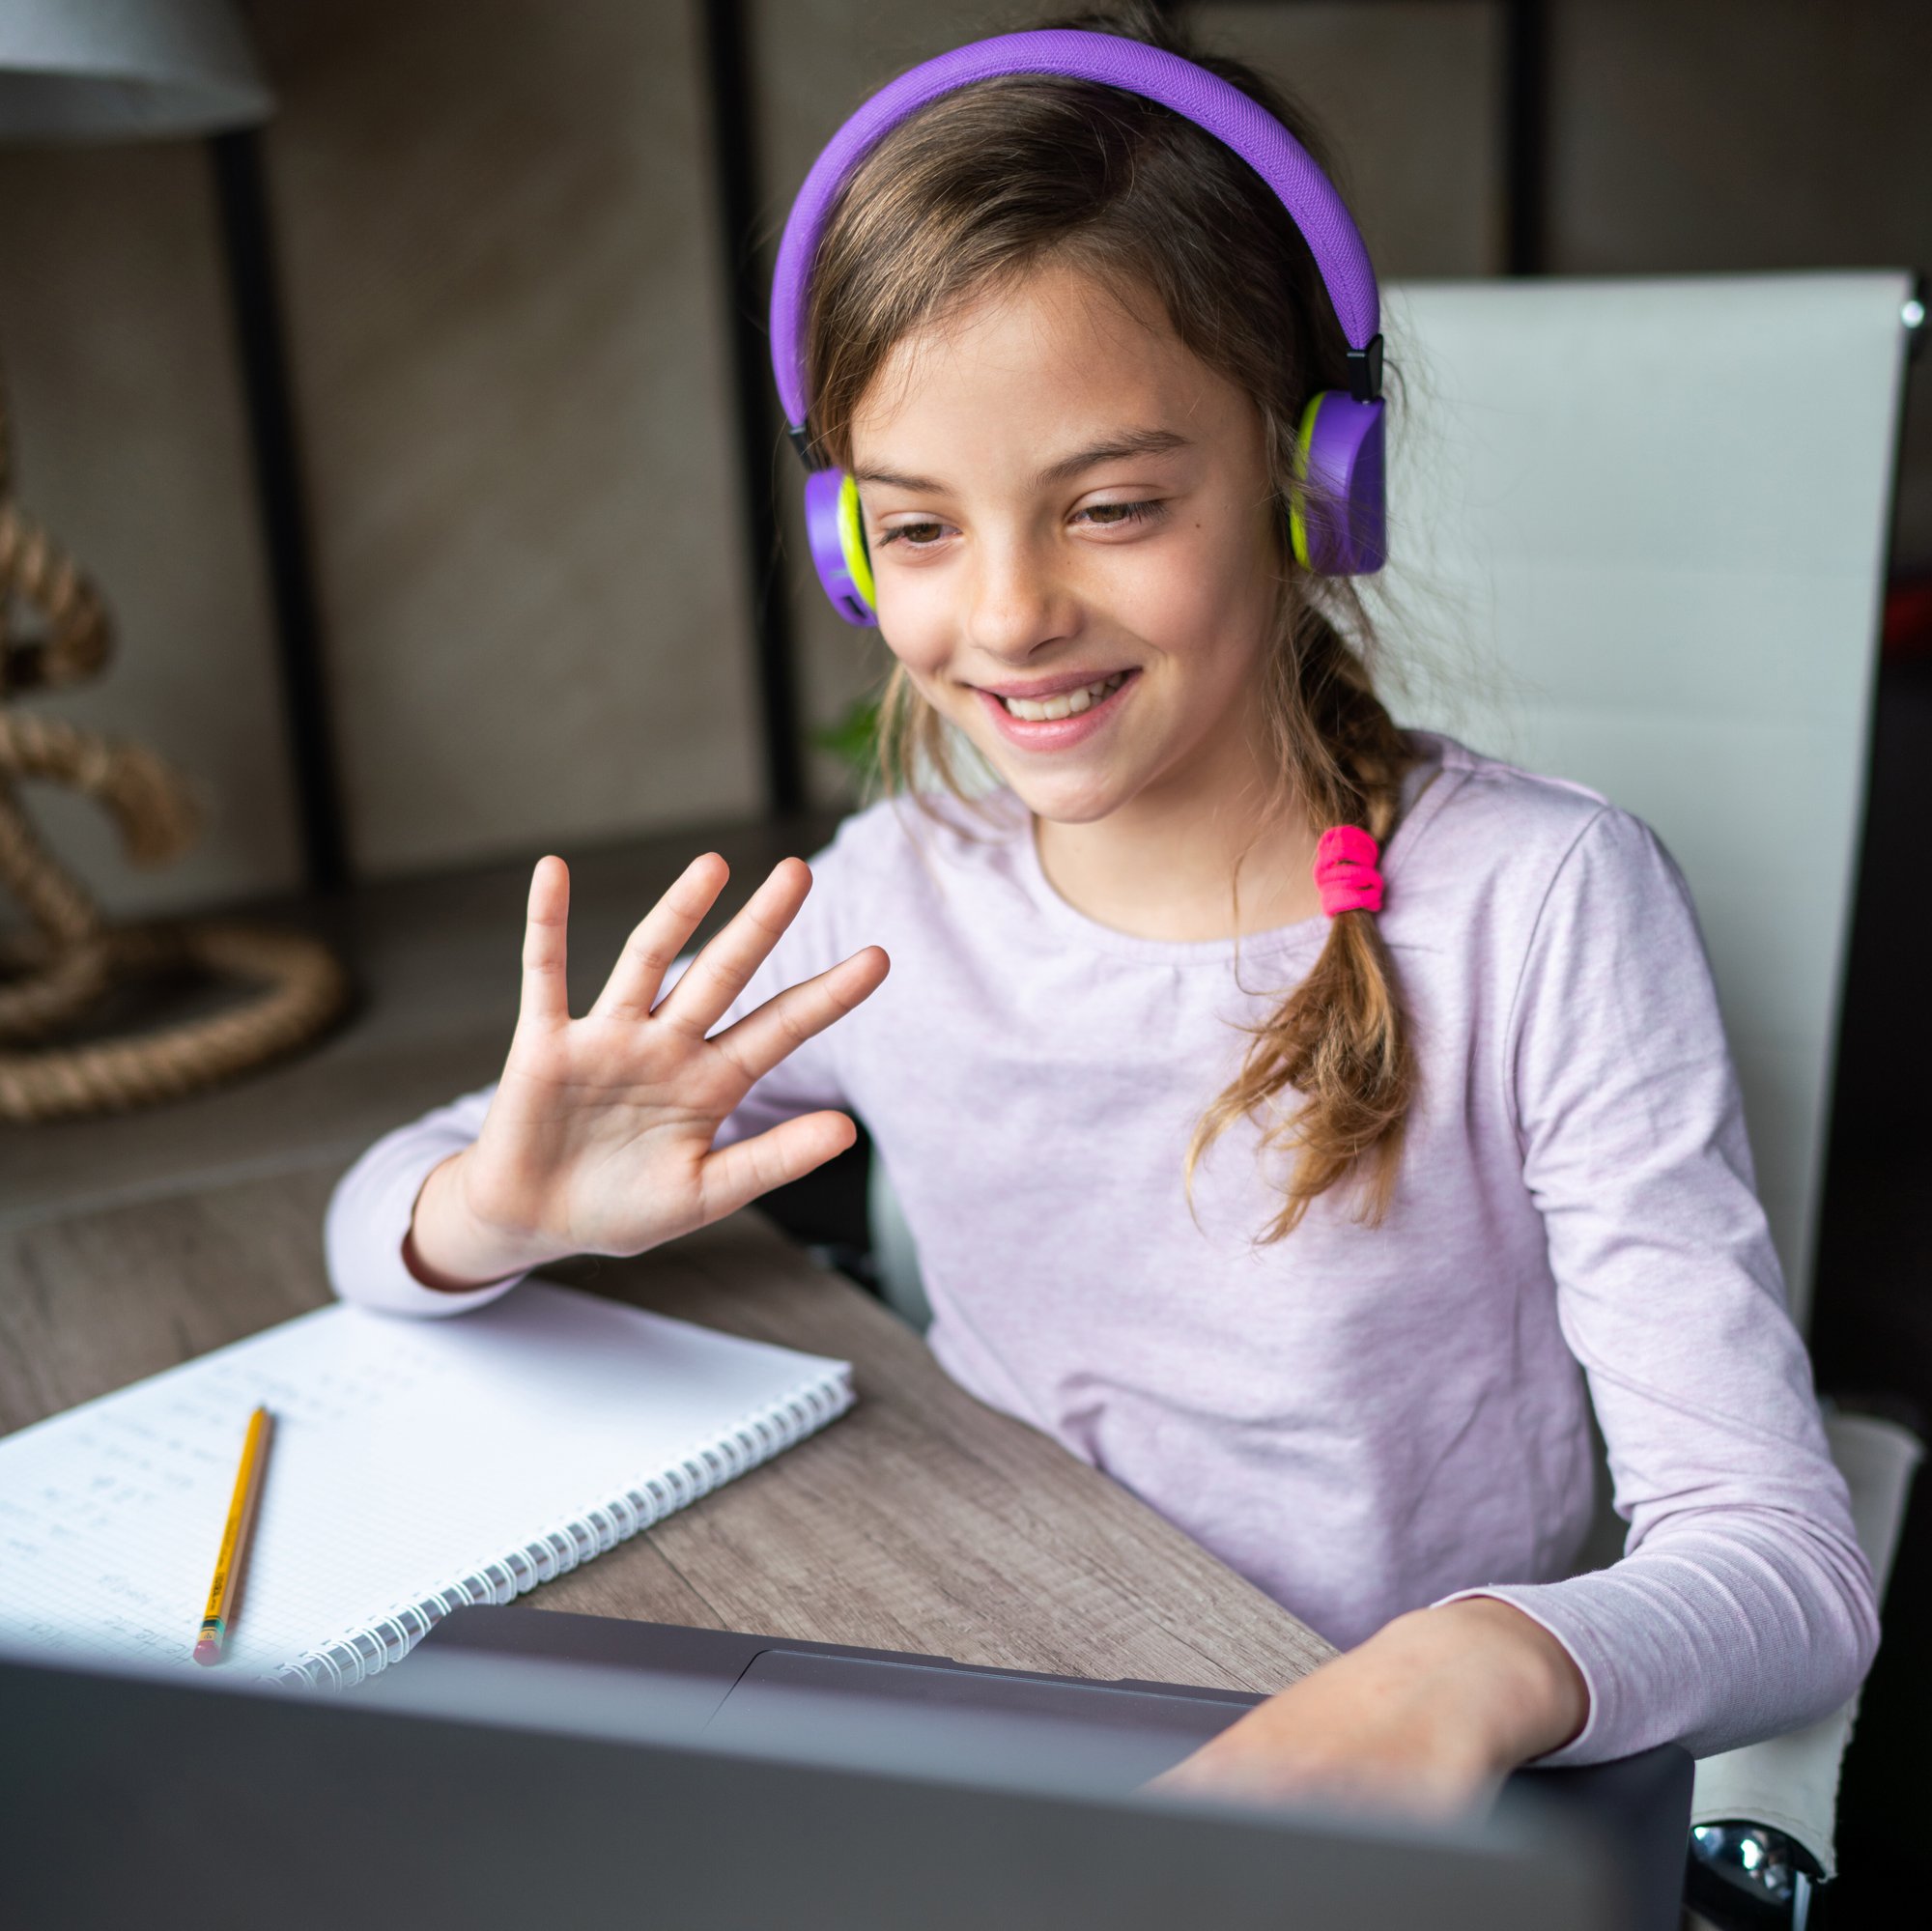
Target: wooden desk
(922, 1521)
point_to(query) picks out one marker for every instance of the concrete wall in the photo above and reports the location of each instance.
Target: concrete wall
(505, 284)
(130, 448)
(505, 299)
(507, 304)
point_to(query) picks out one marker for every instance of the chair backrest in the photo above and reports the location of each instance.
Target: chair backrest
(1637, 535)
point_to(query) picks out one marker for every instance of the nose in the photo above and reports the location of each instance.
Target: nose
(1016, 599)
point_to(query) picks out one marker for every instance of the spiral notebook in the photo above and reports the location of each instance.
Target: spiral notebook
(418, 1466)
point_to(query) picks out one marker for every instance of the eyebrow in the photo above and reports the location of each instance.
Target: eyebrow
(1131, 443)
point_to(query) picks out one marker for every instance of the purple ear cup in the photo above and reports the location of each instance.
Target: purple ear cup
(1342, 531)
(1338, 515)
(837, 543)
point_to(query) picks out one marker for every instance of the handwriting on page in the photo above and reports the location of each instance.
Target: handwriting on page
(414, 1464)
(110, 1517)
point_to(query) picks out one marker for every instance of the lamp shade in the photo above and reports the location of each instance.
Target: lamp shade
(125, 69)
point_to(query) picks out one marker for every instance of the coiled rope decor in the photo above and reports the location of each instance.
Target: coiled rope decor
(55, 974)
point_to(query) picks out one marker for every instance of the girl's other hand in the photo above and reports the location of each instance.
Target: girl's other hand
(598, 1138)
(1425, 1719)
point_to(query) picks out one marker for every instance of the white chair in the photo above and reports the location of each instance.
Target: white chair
(1637, 537)
(1650, 516)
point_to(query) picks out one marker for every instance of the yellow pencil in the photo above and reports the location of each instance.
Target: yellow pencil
(235, 1537)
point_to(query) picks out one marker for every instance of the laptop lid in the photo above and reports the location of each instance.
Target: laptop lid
(485, 1790)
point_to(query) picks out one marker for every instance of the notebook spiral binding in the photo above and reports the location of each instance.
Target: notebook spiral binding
(346, 1662)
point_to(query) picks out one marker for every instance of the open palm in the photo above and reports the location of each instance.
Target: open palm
(599, 1137)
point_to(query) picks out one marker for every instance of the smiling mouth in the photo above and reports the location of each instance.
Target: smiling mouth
(1064, 703)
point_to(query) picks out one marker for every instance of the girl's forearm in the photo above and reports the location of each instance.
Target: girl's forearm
(1533, 1692)
(448, 1246)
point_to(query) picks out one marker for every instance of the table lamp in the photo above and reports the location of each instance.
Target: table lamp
(115, 69)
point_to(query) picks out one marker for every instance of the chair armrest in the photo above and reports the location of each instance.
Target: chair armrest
(1790, 1783)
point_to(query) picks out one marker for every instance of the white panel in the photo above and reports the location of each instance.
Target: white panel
(1639, 541)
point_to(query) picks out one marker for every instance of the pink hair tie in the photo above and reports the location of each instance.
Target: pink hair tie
(1344, 871)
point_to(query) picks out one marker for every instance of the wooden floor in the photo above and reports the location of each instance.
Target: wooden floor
(436, 967)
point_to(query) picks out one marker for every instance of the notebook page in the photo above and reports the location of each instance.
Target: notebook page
(407, 1453)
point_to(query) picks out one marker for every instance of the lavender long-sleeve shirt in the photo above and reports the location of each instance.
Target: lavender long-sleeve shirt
(1360, 1420)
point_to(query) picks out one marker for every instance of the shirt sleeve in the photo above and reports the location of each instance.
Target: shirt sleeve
(374, 1201)
(371, 1208)
(1743, 1606)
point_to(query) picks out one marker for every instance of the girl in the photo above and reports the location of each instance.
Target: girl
(1293, 1112)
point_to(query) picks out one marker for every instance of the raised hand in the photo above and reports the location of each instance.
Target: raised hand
(598, 1138)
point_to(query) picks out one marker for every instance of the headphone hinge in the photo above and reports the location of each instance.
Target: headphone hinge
(1365, 371)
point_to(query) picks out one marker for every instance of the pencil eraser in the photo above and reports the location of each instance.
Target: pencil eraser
(208, 1650)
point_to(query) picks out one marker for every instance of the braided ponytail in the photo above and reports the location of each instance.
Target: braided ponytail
(1340, 1039)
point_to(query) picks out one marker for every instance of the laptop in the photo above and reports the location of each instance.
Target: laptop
(528, 1765)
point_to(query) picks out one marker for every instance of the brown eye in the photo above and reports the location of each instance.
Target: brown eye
(1115, 515)
(903, 532)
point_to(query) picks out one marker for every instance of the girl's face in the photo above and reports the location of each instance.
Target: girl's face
(1059, 496)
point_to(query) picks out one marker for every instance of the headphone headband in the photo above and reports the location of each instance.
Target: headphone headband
(1135, 68)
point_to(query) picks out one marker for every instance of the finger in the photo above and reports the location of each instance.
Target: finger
(786, 1020)
(736, 1175)
(717, 976)
(545, 996)
(659, 936)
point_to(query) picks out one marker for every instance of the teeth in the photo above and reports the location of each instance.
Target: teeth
(1068, 704)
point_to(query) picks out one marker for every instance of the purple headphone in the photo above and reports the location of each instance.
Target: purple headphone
(1340, 526)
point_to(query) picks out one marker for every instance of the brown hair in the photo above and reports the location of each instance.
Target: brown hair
(970, 194)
